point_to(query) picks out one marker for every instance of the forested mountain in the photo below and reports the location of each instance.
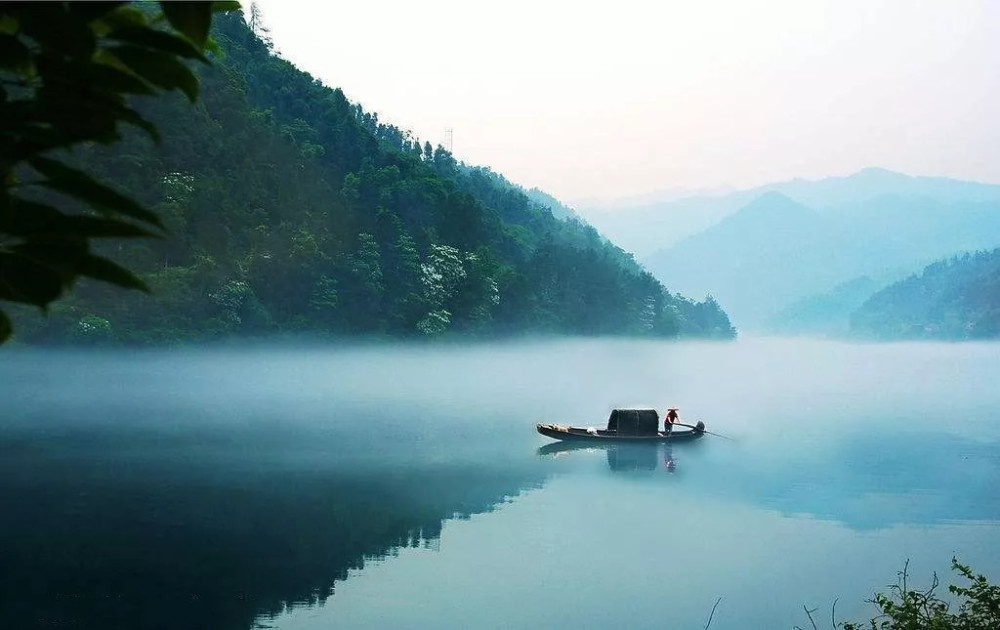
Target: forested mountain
(957, 298)
(777, 250)
(292, 210)
(651, 226)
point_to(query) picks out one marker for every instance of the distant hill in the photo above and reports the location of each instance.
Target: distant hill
(651, 226)
(647, 228)
(958, 298)
(769, 253)
(294, 211)
(871, 183)
(777, 250)
(824, 314)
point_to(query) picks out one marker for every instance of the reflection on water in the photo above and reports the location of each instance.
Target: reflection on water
(194, 490)
(864, 481)
(105, 538)
(621, 457)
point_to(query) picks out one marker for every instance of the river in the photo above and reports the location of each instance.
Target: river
(404, 486)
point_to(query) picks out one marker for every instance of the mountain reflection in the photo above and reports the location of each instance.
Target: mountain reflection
(97, 532)
(879, 479)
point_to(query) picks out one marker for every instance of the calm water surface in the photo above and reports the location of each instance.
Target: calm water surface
(405, 487)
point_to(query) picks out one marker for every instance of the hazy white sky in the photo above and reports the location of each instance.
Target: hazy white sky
(612, 99)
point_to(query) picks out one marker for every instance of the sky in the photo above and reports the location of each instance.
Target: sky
(595, 101)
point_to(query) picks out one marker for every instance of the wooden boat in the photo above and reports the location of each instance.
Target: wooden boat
(577, 434)
(632, 426)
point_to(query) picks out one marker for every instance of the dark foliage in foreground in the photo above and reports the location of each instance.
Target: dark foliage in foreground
(66, 72)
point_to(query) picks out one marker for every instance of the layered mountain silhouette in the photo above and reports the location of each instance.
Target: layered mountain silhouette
(650, 225)
(800, 239)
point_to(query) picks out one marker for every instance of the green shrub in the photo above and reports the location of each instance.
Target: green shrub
(904, 608)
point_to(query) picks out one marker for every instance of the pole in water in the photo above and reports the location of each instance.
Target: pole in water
(703, 430)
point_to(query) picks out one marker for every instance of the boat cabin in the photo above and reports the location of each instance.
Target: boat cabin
(634, 421)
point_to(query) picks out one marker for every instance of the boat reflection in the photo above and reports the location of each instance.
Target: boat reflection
(630, 458)
(620, 457)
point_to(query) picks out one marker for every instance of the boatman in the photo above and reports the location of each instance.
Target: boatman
(670, 419)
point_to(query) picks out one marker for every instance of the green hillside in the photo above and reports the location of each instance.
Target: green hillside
(957, 298)
(292, 210)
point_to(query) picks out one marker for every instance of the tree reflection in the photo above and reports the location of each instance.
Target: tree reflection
(99, 537)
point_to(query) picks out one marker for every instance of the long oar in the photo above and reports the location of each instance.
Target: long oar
(724, 437)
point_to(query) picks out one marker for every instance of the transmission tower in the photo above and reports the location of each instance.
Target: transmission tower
(449, 139)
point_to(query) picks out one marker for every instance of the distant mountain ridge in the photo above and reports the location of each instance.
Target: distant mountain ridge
(764, 254)
(777, 249)
(874, 182)
(656, 225)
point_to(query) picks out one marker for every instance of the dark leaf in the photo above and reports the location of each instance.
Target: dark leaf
(36, 219)
(111, 79)
(88, 11)
(6, 328)
(8, 23)
(96, 227)
(224, 6)
(19, 217)
(158, 40)
(213, 47)
(113, 273)
(125, 17)
(130, 116)
(62, 253)
(23, 280)
(158, 68)
(56, 29)
(84, 187)
(14, 55)
(191, 19)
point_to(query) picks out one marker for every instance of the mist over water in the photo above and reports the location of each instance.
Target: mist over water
(404, 486)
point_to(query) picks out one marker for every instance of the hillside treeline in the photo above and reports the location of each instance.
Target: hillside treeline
(292, 210)
(956, 298)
